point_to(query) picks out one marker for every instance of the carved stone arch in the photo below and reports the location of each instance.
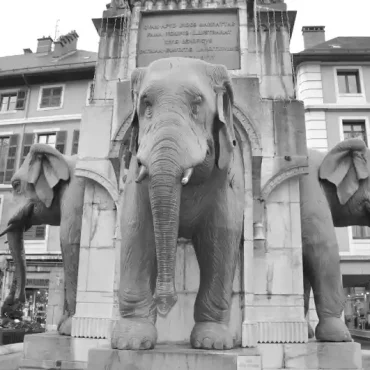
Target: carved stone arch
(247, 130)
(102, 172)
(280, 177)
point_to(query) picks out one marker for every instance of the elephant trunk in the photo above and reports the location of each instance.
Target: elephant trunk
(165, 195)
(16, 246)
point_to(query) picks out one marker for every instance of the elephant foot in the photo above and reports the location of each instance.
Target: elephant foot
(211, 335)
(332, 329)
(311, 333)
(134, 334)
(65, 325)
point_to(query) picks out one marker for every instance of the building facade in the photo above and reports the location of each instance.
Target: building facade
(333, 81)
(42, 95)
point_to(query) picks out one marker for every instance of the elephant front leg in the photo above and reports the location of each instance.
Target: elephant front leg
(70, 255)
(322, 269)
(136, 327)
(217, 249)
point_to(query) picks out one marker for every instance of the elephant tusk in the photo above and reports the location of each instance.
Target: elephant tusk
(187, 175)
(9, 228)
(142, 174)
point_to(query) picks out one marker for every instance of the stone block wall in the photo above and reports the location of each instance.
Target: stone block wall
(96, 269)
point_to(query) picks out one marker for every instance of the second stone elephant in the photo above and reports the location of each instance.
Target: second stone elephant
(336, 193)
(46, 191)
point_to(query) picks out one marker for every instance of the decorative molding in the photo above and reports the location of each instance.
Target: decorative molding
(46, 119)
(249, 334)
(282, 332)
(91, 327)
(336, 107)
(280, 177)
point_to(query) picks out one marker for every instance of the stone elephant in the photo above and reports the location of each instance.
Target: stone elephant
(185, 179)
(46, 191)
(336, 193)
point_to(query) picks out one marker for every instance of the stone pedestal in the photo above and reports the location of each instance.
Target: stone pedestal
(52, 351)
(306, 356)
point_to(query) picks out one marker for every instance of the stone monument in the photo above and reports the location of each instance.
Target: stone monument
(251, 39)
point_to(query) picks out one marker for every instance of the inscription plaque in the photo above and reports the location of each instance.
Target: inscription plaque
(208, 34)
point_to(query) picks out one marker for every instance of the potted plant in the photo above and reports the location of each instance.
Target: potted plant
(13, 328)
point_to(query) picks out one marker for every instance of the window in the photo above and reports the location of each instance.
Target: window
(47, 139)
(8, 154)
(354, 129)
(349, 81)
(76, 137)
(51, 97)
(357, 129)
(55, 139)
(13, 101)
(35, 233)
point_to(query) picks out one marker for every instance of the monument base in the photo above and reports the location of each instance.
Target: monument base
(311, 355)
(53, 351)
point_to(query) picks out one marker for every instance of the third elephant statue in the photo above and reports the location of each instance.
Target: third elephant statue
(185, 179)
(336, 193)
(46, 191)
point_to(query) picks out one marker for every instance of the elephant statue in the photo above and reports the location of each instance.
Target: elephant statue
(336, 193)
(46, 191)
(185, 179)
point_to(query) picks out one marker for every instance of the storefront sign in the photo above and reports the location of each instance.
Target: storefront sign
(208, 34)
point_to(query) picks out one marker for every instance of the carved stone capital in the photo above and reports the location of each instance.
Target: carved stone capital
(91, 327)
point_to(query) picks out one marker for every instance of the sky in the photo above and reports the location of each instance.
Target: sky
(23, 24)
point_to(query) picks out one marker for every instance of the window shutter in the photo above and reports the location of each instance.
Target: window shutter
(35, 233)
(27, 143)
(61, 141)
(12, 157)
(21, 100)
(76, 137)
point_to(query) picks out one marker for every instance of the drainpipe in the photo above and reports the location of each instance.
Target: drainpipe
(25, 116)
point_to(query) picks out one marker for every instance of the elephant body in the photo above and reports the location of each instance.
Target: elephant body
(46, 191)
(186, 179)
(336, 193)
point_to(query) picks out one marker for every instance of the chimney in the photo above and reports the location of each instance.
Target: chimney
(44, 45)
(65, 44)
(313, 35)
(27, 51)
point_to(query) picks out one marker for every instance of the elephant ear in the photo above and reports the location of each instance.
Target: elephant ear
(46, 167)
(223, 125)
(345, 166)
(136, 78)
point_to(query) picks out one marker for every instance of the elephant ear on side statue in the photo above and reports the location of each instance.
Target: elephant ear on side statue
(46, 192)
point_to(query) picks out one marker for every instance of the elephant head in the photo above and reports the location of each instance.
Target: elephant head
(36, 197)
(181, 132)
(344, 175)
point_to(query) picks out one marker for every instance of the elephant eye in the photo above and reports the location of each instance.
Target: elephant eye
(196, 105)
(147, 106)
(16, 184)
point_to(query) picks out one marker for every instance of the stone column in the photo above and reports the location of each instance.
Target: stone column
(95, 300)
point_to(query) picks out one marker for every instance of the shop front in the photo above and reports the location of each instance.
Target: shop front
(356, 284)
(44, 289)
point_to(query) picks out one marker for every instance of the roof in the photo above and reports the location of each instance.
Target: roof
(38, 62)
(339, 49)
(341, 45)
